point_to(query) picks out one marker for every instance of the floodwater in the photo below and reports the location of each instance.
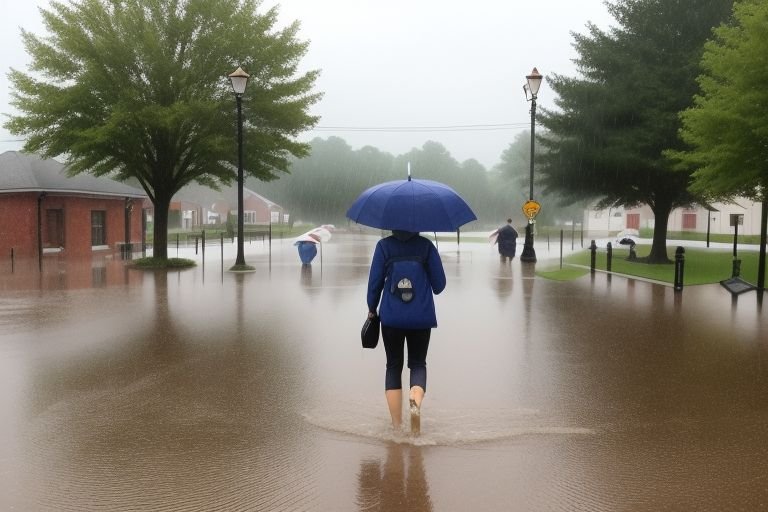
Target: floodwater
(204, 390)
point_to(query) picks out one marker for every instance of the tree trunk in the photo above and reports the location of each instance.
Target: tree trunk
(659, 248)
(160, 229)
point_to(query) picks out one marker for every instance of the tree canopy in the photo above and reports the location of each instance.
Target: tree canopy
(727, 127)
(511, 177)
(607, 138)
(138, 89)
(324, 184)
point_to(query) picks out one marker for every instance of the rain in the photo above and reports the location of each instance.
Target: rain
(203, 389)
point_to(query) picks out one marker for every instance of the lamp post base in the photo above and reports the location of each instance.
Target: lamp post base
(242, 268)
(528, 254)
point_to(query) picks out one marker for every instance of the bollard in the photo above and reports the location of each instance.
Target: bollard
(679, 268)
(195, 246)
(593, 249)
(203, 247)
(609, 256)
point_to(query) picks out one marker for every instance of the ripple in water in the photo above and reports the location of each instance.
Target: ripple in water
(439, 427)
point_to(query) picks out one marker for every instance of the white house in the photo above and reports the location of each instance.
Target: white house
(697, 219)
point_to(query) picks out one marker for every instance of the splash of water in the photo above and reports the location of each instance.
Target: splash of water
(440, 427)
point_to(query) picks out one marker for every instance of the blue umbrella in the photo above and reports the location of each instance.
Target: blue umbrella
(411, 205)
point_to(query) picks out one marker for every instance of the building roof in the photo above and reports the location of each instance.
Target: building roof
(205, 196)
(26, 172)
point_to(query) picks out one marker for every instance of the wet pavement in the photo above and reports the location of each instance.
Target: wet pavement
(204, 390)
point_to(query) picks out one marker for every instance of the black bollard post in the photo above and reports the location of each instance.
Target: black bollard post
(679, 268)
(196, 240)
(593, 249)
(609, 256)
(203, 246)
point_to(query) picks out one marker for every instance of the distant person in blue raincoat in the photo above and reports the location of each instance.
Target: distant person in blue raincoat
(307, 251)
(507, 240)
(405, 273)
(306, 244)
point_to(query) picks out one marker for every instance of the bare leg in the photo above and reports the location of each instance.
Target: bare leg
(415, 399)
(395, 403)
(417, 395)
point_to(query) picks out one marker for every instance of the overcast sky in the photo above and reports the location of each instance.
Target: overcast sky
(398, 73)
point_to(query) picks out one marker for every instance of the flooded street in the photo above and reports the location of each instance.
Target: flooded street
(204, 390)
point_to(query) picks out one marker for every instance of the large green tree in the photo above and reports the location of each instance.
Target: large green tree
(727, 128)
(608, 135)
(138, 89)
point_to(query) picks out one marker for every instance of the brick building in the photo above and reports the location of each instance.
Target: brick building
(196, 206)
(42, 210)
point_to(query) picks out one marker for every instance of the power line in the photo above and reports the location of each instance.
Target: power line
(405, 129)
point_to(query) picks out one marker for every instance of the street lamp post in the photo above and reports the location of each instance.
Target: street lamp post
(532, 87)
(239, 80)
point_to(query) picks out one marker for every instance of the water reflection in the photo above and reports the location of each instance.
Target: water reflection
(60, 272)
(399, 483)
(306, 276)
(503, 281)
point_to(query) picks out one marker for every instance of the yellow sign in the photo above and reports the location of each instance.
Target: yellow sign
(531, 209)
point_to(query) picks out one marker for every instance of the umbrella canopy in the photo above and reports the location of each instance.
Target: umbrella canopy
(411, 205)
(315, 236)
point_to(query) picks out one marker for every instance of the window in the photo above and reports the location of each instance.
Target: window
(54, 228)
(98, 228)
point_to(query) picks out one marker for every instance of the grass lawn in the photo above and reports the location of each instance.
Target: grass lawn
(702, 266)
(157, 264)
